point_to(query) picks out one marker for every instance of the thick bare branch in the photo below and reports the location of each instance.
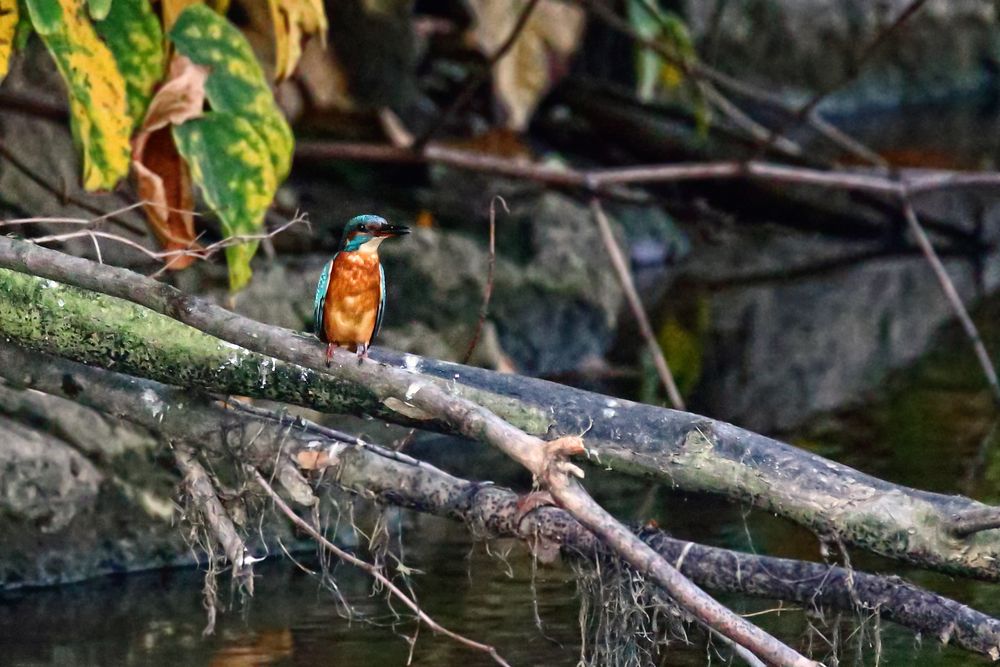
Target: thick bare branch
(691, 452)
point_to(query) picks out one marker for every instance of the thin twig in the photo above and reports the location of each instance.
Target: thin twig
(200, 253)
(484, 309)
(371, 570)
(635, 303)
(948, 287)
(475, 81)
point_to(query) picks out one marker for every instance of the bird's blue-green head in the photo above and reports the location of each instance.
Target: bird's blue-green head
(366, 232)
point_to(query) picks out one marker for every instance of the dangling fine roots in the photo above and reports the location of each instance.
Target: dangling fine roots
(624, 620)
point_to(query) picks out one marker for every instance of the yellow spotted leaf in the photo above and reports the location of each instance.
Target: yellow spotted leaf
(8, 29)
(229, 162)
(132, 32)
(293, 21)
(98, 104)
(236, 83)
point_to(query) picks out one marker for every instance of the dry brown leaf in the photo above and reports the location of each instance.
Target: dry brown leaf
(538, 57)
(293, 21)
(162, 176)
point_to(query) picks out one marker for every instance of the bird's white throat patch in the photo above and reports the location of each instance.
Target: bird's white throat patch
(370, 247)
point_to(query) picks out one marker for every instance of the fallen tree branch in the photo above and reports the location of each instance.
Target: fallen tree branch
(395, 387)
(689, 451)
(255, 435)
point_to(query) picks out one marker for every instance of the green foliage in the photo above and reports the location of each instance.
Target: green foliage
(111, 54)
(132, 31)
(240, 152)
(236, 83)
(229, 160)
(97, 99)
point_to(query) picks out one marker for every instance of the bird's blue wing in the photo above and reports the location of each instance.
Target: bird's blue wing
(319, 301)
(381, 301)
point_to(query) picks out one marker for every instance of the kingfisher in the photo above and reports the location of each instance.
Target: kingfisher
(350, 295)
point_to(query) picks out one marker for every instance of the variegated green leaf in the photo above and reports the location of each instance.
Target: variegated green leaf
(98, 9)
(236, 83)
(229, 162)
(132, 32)
(97, 100)
(8, 29)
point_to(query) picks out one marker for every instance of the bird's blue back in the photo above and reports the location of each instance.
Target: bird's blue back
(319, 301)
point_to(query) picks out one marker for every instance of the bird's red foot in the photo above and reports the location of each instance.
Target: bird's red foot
(330, 347)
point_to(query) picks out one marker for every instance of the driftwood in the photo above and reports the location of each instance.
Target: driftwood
(691, 452)
(256, 436)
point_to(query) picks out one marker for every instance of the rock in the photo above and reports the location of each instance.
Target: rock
(42, 480)
(80, 494)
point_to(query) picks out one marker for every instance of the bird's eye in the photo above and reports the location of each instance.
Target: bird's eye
(362, 228)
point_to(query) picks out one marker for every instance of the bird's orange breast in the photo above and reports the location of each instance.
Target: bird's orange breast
(352, 299)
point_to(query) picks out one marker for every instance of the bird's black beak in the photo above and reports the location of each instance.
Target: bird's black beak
(393, 230)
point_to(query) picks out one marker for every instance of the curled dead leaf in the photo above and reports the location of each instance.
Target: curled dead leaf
(162, 177)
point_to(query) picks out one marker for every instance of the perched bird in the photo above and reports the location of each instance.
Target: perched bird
(350, 295)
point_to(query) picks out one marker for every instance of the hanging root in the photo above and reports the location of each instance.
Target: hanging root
(624, 620)
(207, 512)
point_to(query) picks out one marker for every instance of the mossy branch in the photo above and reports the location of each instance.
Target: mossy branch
(691, 452)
